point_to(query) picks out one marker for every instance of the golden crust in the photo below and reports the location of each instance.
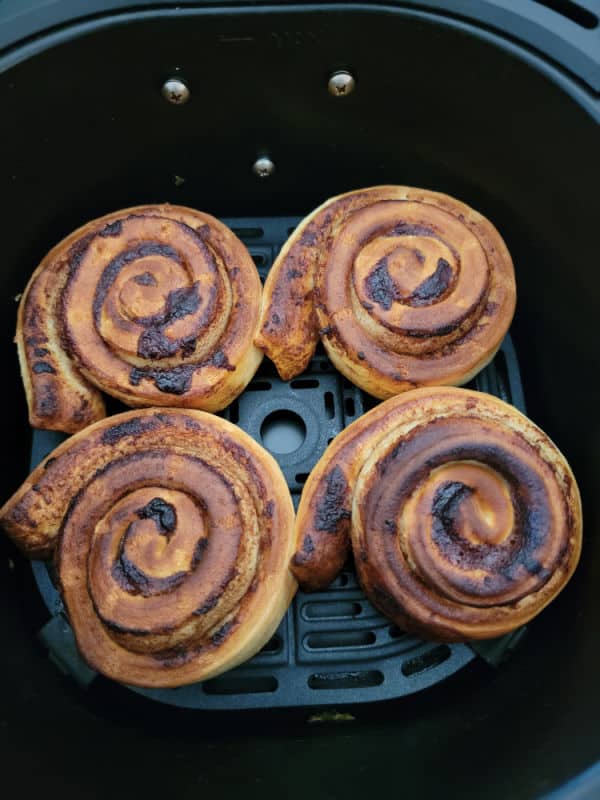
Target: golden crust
(464, 517)
(405, 287)
(173, 532)
(154, 305)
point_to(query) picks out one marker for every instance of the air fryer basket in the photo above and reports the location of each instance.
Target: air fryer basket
(440, 102)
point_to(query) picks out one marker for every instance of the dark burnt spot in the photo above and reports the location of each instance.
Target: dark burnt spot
(112, 229)
(191, 424)
(132, 427)
(419, 256)
(307, 545)
(390, 525)
(135, 581)
(220, 360)
(434, 286)
(368, 306)
(203, 231)
(33, 317)
(360, 355)
(269, 509)
(380, 287)
(446, 502)
(48, 402)
(490, 308)
(162, 513)
(34, 341)
(275, 319)
(326, 331)
(210, 603)
(49, 462)
(153, 343)
(471, 403)
(40, 352)
(199, 551)
(122, 260)
(77, 252)
(146, 279)
(234, 272)
(188, 347)
(293, 274)
(330, 509)
(309, 237)
(409, 229)
(40, 367)
(180, 303)
(21, 517)
(443, 330)
(176, 380)
(220, 636)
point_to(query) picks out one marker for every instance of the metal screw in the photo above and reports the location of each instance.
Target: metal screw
(175, 91)
(341, 83)
(263, 167)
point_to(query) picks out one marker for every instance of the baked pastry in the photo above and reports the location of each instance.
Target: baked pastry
(404, 287)
(173, 532)
(464, 517)
(154, 305)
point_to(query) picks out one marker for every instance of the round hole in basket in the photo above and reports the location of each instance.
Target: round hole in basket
(283, 431)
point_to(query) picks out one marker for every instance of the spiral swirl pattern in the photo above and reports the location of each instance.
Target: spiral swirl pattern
(405, 287)
(173, 534)
(465, 519)
(154, 305)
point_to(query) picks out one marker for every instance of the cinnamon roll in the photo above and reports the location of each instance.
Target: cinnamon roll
(154, 305)
(464, 518)
(404, 287)
(173, 533)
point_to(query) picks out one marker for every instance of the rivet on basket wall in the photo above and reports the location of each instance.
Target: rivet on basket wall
(341, 83)
(175, 91)
(263, 167)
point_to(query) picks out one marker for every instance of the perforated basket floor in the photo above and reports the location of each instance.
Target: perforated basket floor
(332, 647)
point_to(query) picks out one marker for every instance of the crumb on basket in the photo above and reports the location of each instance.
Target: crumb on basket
(331, 716)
